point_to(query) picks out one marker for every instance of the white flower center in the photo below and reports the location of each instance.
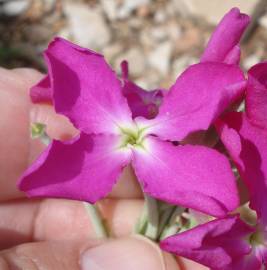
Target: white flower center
(132, 137)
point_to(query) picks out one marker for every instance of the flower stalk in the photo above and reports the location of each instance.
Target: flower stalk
(173, 226)
(152, 217)
(96, 220)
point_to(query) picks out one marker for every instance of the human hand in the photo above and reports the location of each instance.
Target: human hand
(53, 233)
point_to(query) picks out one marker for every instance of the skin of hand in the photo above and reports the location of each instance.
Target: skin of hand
(56, 233)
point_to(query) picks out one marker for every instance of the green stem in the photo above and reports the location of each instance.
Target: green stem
(142, 222)
(153, 217)
(173, 225)
(96, 220)
(165, 217)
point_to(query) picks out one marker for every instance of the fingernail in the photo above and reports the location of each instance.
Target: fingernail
(128, 253)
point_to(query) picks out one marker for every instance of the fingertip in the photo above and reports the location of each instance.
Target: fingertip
(171, 262)
(14, 131)
(127, 185)
(136, 252)
(121, 215)
(28, 75)
(45, 255)
(186, 264)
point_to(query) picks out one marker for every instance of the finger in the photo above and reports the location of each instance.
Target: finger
(52, 219)
(17, 149)
(127, 185)
(44, 255)
(186, 264)
(14, 128)
(127, 253)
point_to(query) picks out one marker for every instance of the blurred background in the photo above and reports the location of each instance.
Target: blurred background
(159, 38)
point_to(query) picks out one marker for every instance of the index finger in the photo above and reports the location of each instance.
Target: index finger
(14, 128)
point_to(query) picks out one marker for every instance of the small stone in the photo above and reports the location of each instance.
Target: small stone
(171, 8)
(35, 11)
(110, 8)
(163, 32)
(38, 33)
(145, 38)
(143, 11)
(178, 6)
(263, 21)
(251, 61)
(159, 33)
(174, 30)
(136, 60)
(160, 16)
(49, 5)
(214, 10)
(191, 38)
(150, 80)
(135, 22)
(64, 33)
(160, 57)
(128, 6)
(142, 82)
(181, 63)
(14, 8)
(87, 25)
(112, 50)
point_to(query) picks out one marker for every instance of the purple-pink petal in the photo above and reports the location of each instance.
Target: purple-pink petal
(226, 36)
(219, 244)
(42, 92)
(256, 96)
(192, 176)
(85, 88)
(233, 57)
(247, 144)
(141, 102)
(83, 169)
(197, 98)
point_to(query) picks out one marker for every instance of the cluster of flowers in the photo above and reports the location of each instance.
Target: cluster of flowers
(122, 124)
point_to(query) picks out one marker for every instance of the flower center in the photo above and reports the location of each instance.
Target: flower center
(133, 137)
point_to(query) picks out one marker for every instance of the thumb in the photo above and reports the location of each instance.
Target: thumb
(126, 253)
(134, 252)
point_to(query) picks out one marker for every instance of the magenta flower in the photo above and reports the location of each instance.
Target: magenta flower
(220, 244)
(85, 89)
(141, 102)
(245, 137)
(256, 96)
(229, 243)
(223, 46)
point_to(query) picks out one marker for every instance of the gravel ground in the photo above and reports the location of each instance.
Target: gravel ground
(158, 37)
